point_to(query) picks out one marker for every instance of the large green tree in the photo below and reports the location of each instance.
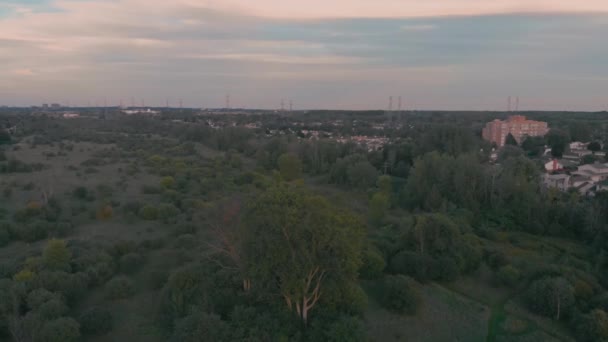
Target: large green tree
(56, 255)
(510, 140)
(557, 140)
(296, 244)
(290, 166)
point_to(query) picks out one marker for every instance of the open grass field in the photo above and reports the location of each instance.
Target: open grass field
(443, 316)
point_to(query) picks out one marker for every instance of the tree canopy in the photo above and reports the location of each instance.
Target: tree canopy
(297, 244)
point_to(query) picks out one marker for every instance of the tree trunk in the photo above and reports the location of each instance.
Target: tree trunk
(421, 241)
(558, 307)
(305, 313)
(246, 284)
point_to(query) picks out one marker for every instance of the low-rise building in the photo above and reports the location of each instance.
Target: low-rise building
(596, 172)
(553, 166)
(577, 145)
(71, 115)
(558, 181)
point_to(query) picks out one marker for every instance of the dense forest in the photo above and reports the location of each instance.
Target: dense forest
(191, 227)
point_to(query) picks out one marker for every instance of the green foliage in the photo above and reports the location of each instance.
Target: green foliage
(378, 207)
(130, 263)
(96, 321)
(436, 180)
(551, 296)
(198, 287)
(362, 175)
(60, 330)
(167, 182)
(343, 298)
(496, 259)
(24, 276)
(297, 243)
(594, 146)
(263, 324)
(354, 170)
(37, 297)
(201, 327)
(166, 212)
(150, 190)
(148, 212)
(593, 327)
(448, 139)
(71, 286)
(290, 167)
(5, 137)
(342, 329)
(385, 184)
(588, 159)
(509, 151)
(53, 309)
(422, 267)
(373, 263)
(508, 275)
(56, 255)
(399, 294)
(510, 140)
(534, 146)
(119, 287)
(435, 248)
(557, 140)
(33, 231)
(5, 235)
(81, 193)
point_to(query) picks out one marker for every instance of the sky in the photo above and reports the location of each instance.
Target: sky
(331, 54)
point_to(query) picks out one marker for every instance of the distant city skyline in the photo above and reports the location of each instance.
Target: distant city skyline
(341, 54)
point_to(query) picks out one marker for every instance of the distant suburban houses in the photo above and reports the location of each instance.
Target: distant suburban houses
(567, 173)
(571, 171)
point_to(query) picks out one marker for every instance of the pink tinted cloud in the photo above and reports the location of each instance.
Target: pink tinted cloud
(24, 72)
(315, 9)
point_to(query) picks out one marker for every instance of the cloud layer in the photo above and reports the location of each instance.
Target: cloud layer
(338, 54)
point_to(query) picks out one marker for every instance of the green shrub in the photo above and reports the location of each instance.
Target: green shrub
(37, 297)
(167, 182)
(399, 294)
(5, 235)
(551, 296)
(148, 212)
(56, 255)
(96, 321)
(119, 287)
(593, 327)
(496, 259)
(71, 286)
(373, 264)
(33, 231)
(80, 193)
(201, 327)
(508, 275)
(186, 241)
(420, 266)
(150, 190)
(345, 328)
(53, 309)
(132, 207)
(129, 263)
(157, 279)
(60, 330)
(167, 212)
